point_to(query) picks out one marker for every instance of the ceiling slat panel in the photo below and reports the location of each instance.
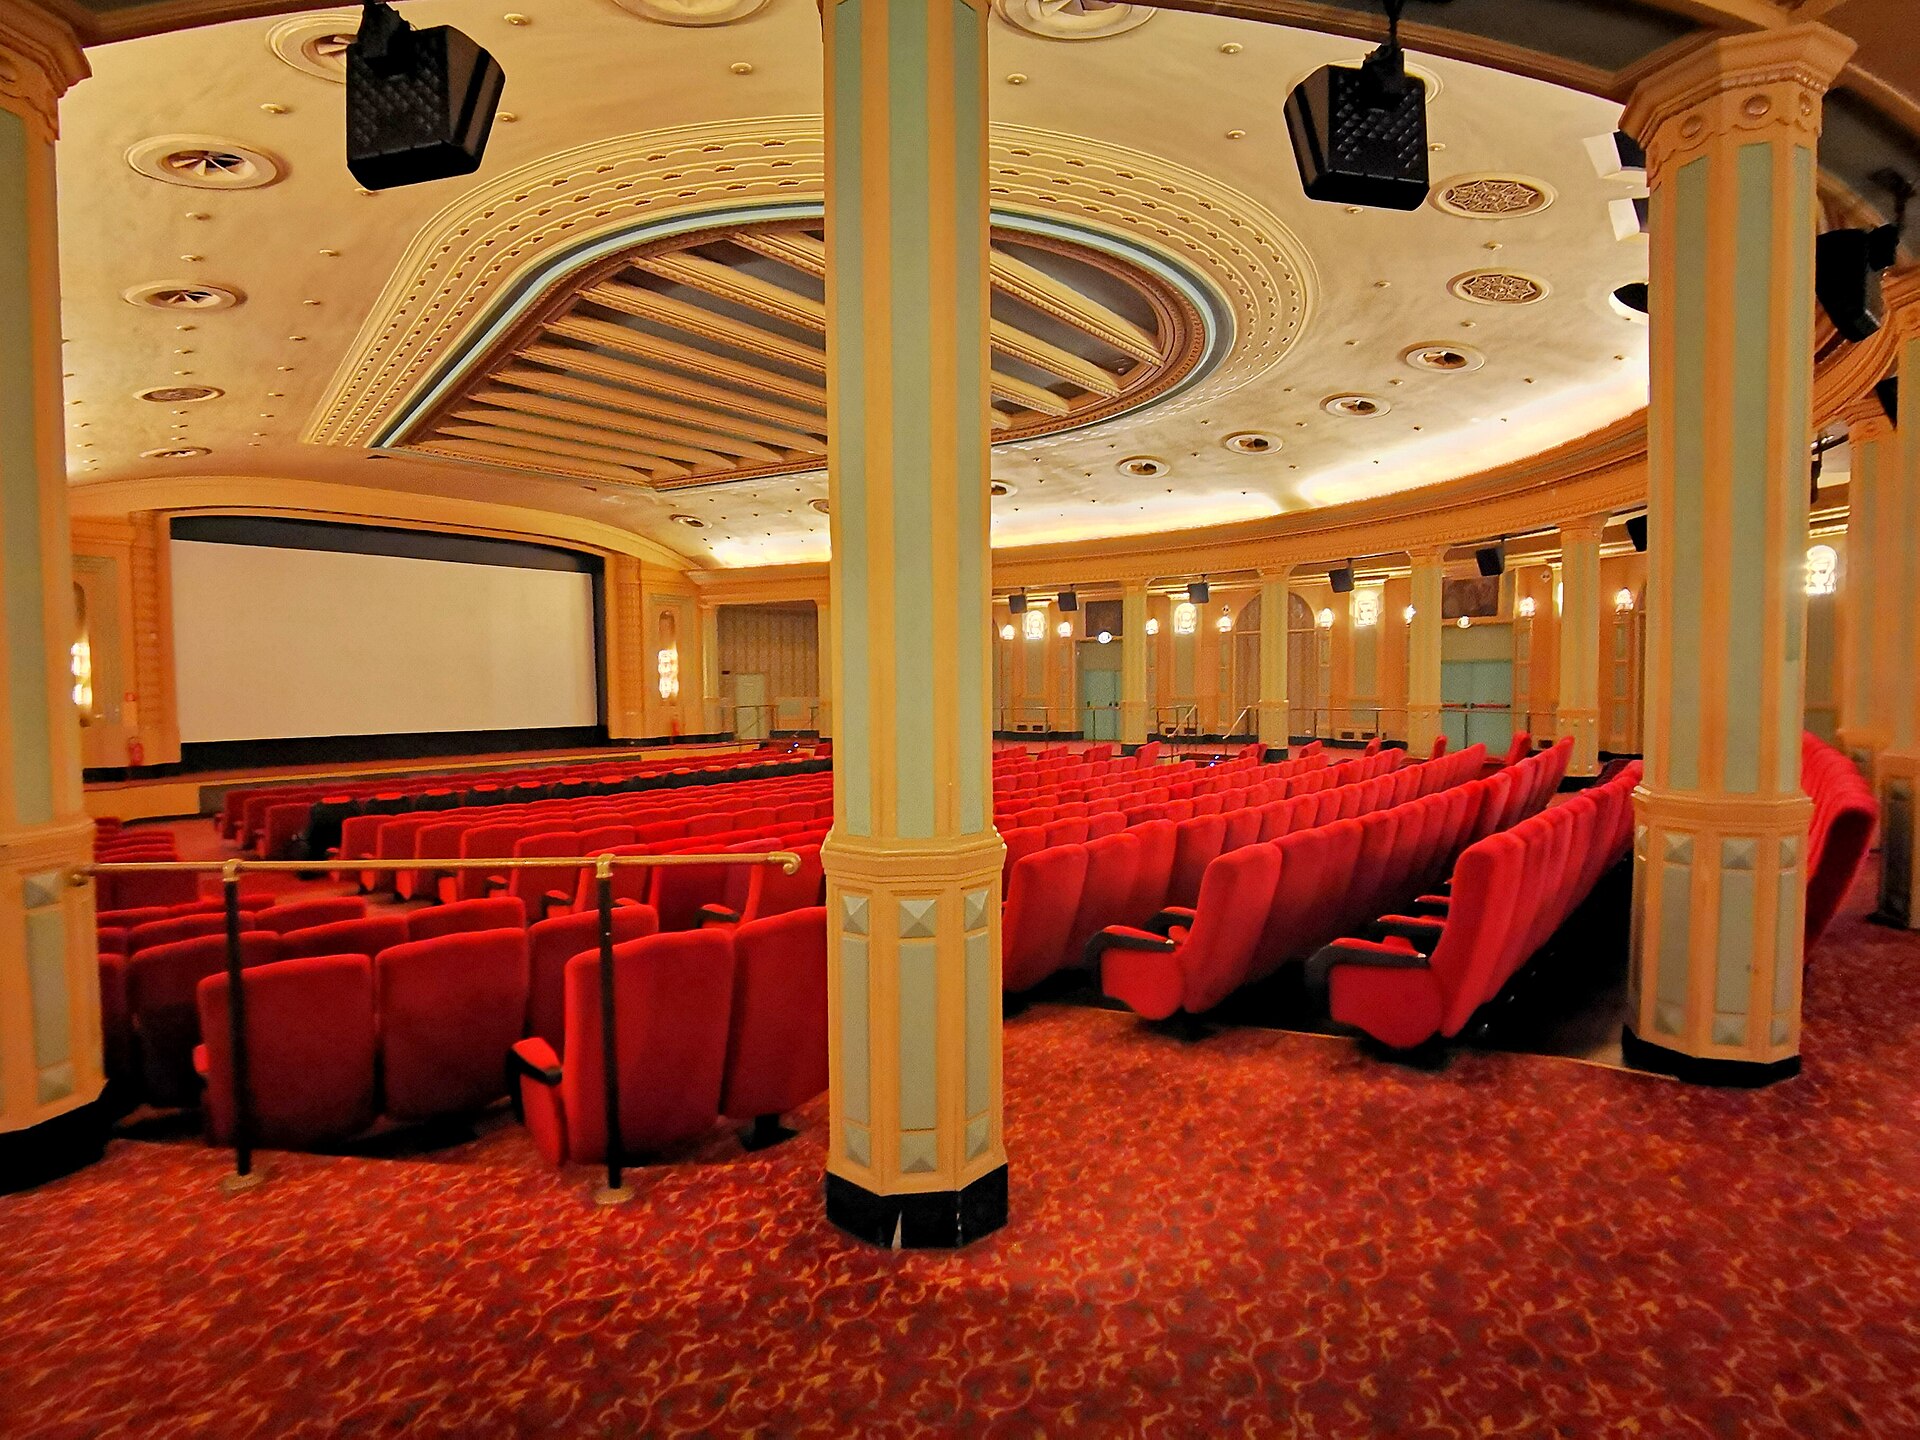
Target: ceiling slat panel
(672, 352)
(640, 447)
(494, 434)
(599, 418)
(610, 367)
(720, 329)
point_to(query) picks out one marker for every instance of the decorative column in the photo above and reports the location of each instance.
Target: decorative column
(915, 1156)
(1897, 584)
(1276, 722)
(823, 715)
(1866, 651)
(1133, 663)
(1423, 650)
(1580, 621)
(712, 719)
(50, 1056)
(1720, 847)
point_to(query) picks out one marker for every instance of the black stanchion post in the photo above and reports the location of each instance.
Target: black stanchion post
(243, 1176)
(615, 1189)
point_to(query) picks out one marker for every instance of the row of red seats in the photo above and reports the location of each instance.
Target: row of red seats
(708, 1023)
(1102, 784)
(1059, 898)
(1844, 814)
(1423, 974)
(115, 845)
(1264, 904)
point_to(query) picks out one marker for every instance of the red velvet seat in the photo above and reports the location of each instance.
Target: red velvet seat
(305, 914)
(450, 1009)
(310, 1051)
(1169, 967)
(174, 929)
(673, 1005)
(1157, 840)
(777, 1035)
(1113, 868)
(161, 1007)
(1043, 897)
(1844, 816)
(465, 917)
(366, 936)
(1197, 843)
(532, 886)
(552, 943)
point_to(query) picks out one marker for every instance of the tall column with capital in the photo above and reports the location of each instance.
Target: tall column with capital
(1423, 650)
(50, 1046)
(1874, 532)
(915, 1155)
(1580, 621)
(1730, 131)
(823, 714)
(1133, 663)
(1275, 708)
(713, 720)
(1897, 582)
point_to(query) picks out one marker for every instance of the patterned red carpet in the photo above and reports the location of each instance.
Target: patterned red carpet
(1260, 1233)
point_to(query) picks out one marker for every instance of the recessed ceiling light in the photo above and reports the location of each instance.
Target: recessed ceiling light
(692, 522)
(273, 109)
(1444, 359)
(1359, 407)
(175, 452)
(179, 394)
(184, 295)
(1252, 442)
(204, 162)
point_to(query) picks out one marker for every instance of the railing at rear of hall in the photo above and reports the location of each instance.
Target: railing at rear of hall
(244, 1176)
(767, 717)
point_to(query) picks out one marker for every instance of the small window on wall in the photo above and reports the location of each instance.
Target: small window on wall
(80, 658)
(1186, 618)
(1034, 624)
(1366, 608)
(667, 662)
(1823, 570)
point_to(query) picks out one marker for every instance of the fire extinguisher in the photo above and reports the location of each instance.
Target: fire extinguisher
(136, 753)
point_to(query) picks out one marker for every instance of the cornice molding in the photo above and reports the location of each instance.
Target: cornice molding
(40, 60)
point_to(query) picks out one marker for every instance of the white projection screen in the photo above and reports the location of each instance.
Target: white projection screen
(276, 643)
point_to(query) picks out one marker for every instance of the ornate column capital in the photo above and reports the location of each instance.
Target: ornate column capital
(1428, 554)
(1587, 527)
(1741, 86)
(1901, 288)
(40, 60)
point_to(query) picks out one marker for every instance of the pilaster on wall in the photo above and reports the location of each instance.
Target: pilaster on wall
(1135, 702)
(1423, 650)
(1730, 131)
(628, 664)
(1275, 708)
(1898, 594)
(1874, 537)
(1580, 618)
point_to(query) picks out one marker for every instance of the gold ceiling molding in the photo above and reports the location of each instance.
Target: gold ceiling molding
(40, 60)
(499, 239)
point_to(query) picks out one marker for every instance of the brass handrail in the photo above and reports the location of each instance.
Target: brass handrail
(603, 866)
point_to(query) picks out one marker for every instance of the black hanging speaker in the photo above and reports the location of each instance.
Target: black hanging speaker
(1492, 559)
(1846, 278)
(1341, 579)
(420, 103)
(1887, 392)
(1069, 601)
(1637, 532)
(1017, 604)
(1199, 592)
(1360, 133)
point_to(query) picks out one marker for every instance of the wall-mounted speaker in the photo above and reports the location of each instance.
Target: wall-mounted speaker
(1069, 601)
(1360, 134)
(1887, 392)
(1492, 559)
(1846, 278)
(1017, 604)
(420, 103)
(1199, 592)
(1637, 532)
(1341, 579)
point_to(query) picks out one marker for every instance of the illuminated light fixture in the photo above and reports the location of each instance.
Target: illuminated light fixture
(1105, 637)
(1464, 622)
(1006, 632)
(81, 660)
(1225, 623)
(1623, 601)
(667, 665)
(1324, 619)
(1034, 624)
(1526, 607)
(1153, 626)
(1186, 618)
(1559, 596)
(1823, 570)
(1366, 608)
(1064, 630)
(1408, 614)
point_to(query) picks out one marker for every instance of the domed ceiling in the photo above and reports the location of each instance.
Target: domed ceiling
(618, 318)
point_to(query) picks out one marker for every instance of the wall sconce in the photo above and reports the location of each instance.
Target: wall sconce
(1186, 618)
(1559, 596)
(1823, 570)
(1064, 629)
(1225, 623)
(1324, 619)
(1105, 637)
(1465, 622)
(1153, 626)
(667, 666)
(1525, 608)
(1408, 614)
(82, 666)
(1623, 602)
(1034, 624)
(1366, 609)
(1006, 632)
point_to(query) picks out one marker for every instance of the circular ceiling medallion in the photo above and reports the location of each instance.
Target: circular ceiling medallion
(820, 505)
(1358, 407)
(1143, 467)
(204, 162)
(184, 295)
(316, 44)
(1252, 442)
(1072, 19)
(1492, 197)
(1498, 287)
(692, 522)
(179, 394)
(176, 452)
(1445, 359)
(691, 12)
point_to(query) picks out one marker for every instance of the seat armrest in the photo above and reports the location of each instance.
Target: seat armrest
(1436, 905)
(558, 897)
(1174, 915)
(1420, 932)
(1125, 937)
(1395, 954)
(717, 915)
(534, 1060)
(496, 882)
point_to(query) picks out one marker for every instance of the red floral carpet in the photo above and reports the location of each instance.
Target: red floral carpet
(1261, 1233)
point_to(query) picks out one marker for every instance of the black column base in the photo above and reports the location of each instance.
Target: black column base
(55, 1147)
(1733, 1074)
(930, 1220)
